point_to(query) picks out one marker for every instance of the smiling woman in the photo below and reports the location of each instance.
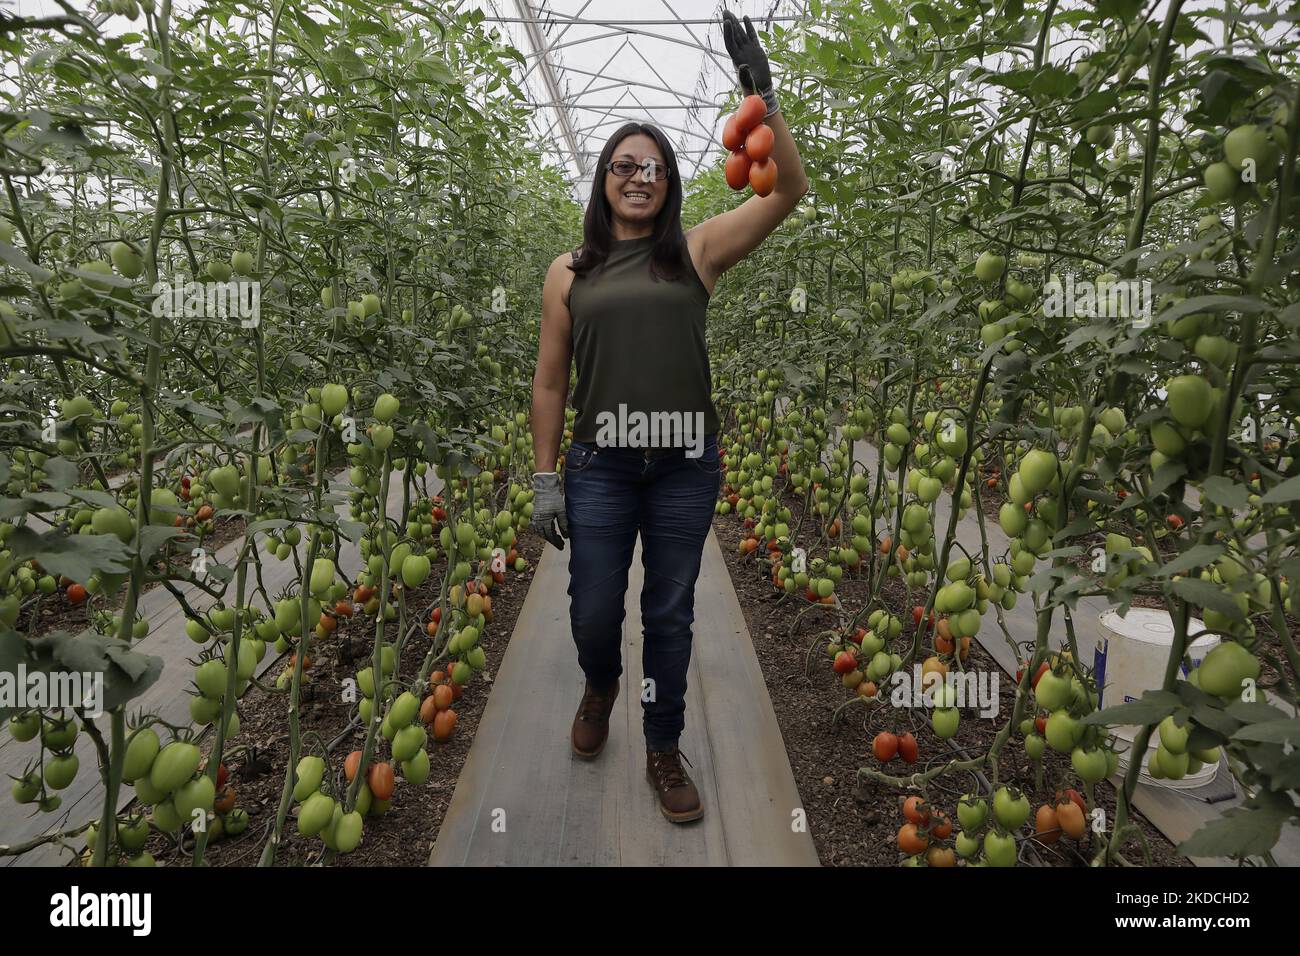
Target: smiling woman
(629, 306)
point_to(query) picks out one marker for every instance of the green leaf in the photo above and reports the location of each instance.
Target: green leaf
(60, 473)
(1271, 732)
(1289, 490)
(1151, 708)
(153, 537)
(15, 257)
(126, 674)
(1225, 492)
(1240, 832)
(1197, 556)
(1213, 303)
(76, 556)
(1254, 711)
(1206, 594)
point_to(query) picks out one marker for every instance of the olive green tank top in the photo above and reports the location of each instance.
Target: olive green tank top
(641, 354)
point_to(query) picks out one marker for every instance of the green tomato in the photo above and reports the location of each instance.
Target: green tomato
(1053, 691)
(386, 407)
(307, 777)
(199, 793)
(133, 833)
(945, 722)
(60, 770)
(166, 818)
(1090, 765)
(236, 821)
(415, 569)
(322, 575)
(1226, 668)
(347, 832)
(27, 789)
(315, 813)
(416, 770)
(1034, 746)
(176, 763)
(408, 742)
(1063, 731)
(147, 793)
(1173, 737)
(24, 727)
(972, 811)
(404, 709)
(141, 750)
(210, 678)
(999, 849)
(1010, 809)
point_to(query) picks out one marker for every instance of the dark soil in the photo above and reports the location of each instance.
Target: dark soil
(855, 822)
(257, 758)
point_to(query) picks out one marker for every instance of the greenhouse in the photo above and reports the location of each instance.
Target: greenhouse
(595, 433)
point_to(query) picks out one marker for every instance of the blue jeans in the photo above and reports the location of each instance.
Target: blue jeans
(610, 495)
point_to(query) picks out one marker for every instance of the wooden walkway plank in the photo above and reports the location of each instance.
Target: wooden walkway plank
(560, 810)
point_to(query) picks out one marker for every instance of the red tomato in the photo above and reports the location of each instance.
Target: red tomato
(737, 169)
(758, 144)
(381, 780)
(751, 113)
(762, 177)
(916, 810)
(941, 826)
(885, 746)
(351, 764)
(907, 748)
(1074, 797)
(1042, 669)
(732, 138)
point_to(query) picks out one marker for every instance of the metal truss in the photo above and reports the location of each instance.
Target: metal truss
(635, 87)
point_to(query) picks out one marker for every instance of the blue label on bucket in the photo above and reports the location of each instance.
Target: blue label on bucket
(1099, 668)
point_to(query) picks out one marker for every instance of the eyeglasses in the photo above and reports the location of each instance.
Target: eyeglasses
(623, 168)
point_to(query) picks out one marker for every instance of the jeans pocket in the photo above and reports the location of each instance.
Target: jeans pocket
(708, 463)
(578, 458)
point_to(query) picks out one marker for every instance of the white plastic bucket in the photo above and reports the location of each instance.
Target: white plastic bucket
(1131, 659)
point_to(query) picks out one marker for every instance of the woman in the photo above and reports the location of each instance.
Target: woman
(630, 305)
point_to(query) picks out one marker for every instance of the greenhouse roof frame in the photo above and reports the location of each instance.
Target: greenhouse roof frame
(576, 50)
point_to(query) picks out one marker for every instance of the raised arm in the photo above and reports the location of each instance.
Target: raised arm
(730, 236)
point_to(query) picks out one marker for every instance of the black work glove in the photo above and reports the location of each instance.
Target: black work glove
(751, 62)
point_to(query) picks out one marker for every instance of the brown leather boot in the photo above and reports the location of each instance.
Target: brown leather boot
(591, 724)
(679, 800)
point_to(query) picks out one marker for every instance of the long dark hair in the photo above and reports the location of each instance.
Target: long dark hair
(668, 255)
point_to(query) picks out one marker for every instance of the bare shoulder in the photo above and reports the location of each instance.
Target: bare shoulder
(559, 277)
